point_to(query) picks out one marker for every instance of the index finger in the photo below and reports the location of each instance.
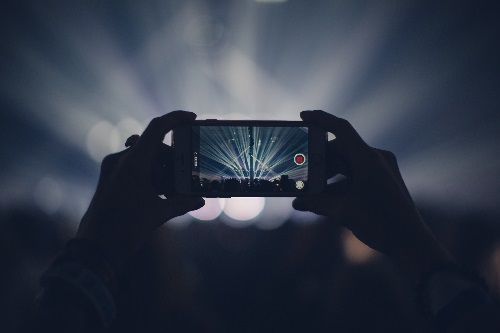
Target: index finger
(160, 126)
(343, 130)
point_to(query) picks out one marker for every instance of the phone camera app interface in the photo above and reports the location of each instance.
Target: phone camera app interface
(231, 159)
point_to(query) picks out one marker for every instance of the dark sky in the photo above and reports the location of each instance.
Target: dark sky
(419, 78)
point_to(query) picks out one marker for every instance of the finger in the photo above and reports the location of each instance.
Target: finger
(166, 154)
(108, 167)
(343, 130)
(179, 205)
(390, 159)
(321, 204)
(340, 187)
(163, 171)
(337, 160)
(110, 163)
(157, 129)
(132, 140)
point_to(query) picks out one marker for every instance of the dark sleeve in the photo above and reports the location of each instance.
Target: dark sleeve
(471, 311)
(62, 308)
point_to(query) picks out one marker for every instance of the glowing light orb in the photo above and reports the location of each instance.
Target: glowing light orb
(275, 213)
(243, 209)
(127, 127)
(212, 209)
(102, 139)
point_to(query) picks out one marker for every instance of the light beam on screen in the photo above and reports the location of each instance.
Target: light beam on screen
(242, 211)
(225, 152)
(212, 209)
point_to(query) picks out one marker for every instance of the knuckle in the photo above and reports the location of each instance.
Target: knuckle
(155, 122)
(388, 155)
(109, 161)
(347, 128)
(344, 123)
(132, 140)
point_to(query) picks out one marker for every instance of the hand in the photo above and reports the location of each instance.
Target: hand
(126, 208)
(373, 201)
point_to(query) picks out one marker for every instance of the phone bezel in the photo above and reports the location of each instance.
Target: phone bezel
(181, 141)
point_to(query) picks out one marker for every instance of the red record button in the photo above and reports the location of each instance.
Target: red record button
(299, 159)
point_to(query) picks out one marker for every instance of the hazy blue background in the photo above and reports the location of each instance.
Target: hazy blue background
(419, 78)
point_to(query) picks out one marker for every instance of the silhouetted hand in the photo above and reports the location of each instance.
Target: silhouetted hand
(373, 201)
(126, 207)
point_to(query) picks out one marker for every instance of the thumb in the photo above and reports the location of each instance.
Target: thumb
(179, 205)
(320, 204)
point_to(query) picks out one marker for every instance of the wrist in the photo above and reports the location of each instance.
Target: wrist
(440, 285)
(418, 250)
(113, 250)
(81, 269)
(115, 246)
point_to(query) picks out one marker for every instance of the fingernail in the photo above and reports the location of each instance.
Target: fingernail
(305, 114)
(298, 205)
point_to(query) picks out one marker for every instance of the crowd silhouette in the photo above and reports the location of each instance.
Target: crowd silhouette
(239, 185)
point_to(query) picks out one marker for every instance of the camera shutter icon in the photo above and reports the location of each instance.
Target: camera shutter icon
(299, 159)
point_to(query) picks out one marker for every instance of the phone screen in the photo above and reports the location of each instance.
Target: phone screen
(260, 159)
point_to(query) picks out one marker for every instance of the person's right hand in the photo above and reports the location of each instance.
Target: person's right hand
(373, 201)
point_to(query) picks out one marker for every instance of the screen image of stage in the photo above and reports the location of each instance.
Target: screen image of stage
(249, 159)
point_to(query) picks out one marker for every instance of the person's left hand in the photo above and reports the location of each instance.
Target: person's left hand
(126, 208)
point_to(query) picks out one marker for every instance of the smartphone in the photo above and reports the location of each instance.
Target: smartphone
(229, 158)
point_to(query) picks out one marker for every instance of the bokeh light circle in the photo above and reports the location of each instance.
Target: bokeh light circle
(242, 210)
(212, 209)
(102, 139)
(275, 213)
(127, 127)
